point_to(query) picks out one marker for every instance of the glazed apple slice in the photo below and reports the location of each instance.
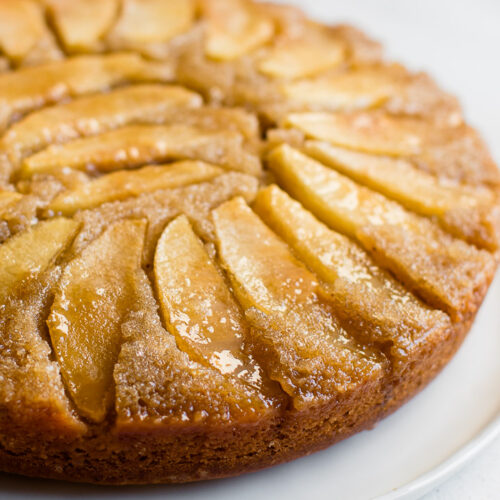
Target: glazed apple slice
(23, 31)
(81, 24)
(467, 212)
(377, 307)
(358, 88)
(376, 133)
(303, 56)
(159, 387)
(92, 299)
(446, 272)
(197, 305)
(234, 28)
(136, 145)
(127, 184)
(151, 21)
(7, 198)
(295, 335)
(31, 88)
(31, 252)
(95, 114)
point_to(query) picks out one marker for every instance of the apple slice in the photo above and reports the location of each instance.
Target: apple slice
(91, 302)
(136, 145)
(31, 252)
(127, 184)
(467, 212)
(31, 88)
(447, 273)
(303, 56)
(8, 198)
(234, 28)
(295, 335)
(81, 24)
(92, 115)
(23, 31)
(358, 88)
(197, 305)
(151, 21)
(376, 133)
(159, 388)
(374, 304)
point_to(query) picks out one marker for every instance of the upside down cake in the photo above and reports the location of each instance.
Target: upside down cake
(230, 236)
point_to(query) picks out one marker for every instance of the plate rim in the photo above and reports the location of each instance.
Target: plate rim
(448, 467)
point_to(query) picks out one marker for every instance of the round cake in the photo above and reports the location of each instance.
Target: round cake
(230, 236)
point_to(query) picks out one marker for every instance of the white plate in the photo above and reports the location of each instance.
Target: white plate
(437, 432)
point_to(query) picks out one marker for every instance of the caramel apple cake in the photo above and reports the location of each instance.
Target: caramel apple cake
(230, 236)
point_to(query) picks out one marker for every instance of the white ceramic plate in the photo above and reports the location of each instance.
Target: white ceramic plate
(436, 433)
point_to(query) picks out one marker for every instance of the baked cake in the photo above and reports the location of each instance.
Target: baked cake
(231, 236)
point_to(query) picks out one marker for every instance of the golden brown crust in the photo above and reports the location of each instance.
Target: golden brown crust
(317, 359)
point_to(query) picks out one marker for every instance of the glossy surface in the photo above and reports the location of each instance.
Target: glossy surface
(127, 184)
(135, 145)
(91, 302)
(444, 271)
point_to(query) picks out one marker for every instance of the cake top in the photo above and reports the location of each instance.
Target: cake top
(216, 210)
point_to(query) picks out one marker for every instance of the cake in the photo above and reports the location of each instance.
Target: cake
(230, 236)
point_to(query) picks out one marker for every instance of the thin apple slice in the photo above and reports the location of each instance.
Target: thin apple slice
(197, 305)
(127, 184)
(32, 397)
(377, 308)
(31, 252)
(376, 133)
(151, 21)
(444, 271)
(303, 56)
(158, 386)
(81, 24)
(91, 302)
(295, 335)
(234, 28)
(92, 115)
(469, 213)
(23, 31)
(135, 145)
(31, 88)
(359, 88)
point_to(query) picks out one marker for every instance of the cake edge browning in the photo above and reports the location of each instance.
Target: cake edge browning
(108, 457)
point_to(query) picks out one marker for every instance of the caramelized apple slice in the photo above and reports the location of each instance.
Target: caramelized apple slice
(81, 24)
(126, 184)
(303, 56)
(295, 335)
(91, 302)
(159, 387)
(7, 198)
(367, 298)
(360, 88)
(31, 88)
(198, 307)
(234, 28)
(32, 398)
(23, 30)
(446, 272)
(135, 145)
(467, 212)
(31, 252)
(95, 114)
(371, 132)
(151, 21)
